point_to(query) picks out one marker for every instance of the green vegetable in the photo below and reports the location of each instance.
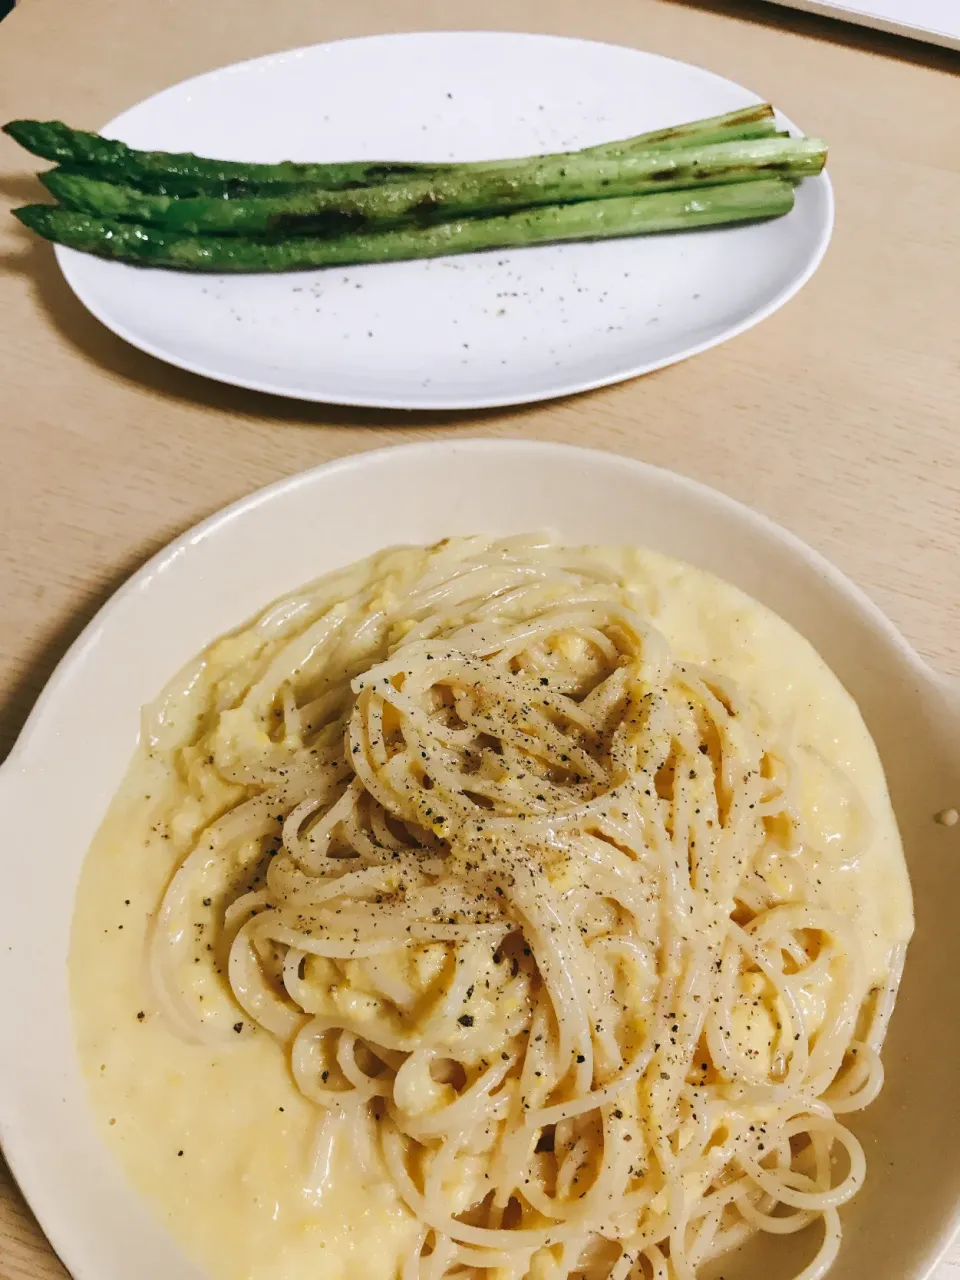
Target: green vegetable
(513, 186)
(339, 178)
(589, 220)
(746, 122)
(54, 140)
(168, 173)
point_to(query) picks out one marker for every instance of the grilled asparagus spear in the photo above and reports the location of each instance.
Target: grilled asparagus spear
(511, 187)
(167, 173)
(588, 220)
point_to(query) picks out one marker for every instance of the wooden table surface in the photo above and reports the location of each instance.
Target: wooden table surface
(839, 417)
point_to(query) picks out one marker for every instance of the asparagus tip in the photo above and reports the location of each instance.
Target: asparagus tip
(41, 138)
(34, 216)
(16, 129)
(56, 181)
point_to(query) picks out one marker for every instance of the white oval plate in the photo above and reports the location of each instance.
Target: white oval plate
(455, 333)
(75, 747)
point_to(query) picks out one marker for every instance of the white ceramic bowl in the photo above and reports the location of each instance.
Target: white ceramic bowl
(72, 754)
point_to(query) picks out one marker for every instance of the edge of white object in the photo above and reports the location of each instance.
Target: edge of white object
(933, 21)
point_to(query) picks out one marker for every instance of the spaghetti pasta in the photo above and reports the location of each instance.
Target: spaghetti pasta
(532, 902)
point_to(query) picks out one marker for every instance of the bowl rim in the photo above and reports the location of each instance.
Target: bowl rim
(210, 525)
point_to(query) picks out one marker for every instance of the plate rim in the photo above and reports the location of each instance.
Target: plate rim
(69, 260)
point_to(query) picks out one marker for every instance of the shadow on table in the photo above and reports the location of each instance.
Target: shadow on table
(834, 30)
(119, 358)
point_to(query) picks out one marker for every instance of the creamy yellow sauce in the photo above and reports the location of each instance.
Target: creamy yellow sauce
(220, 1140)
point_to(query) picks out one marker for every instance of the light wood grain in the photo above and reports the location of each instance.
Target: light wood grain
(838, 417)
